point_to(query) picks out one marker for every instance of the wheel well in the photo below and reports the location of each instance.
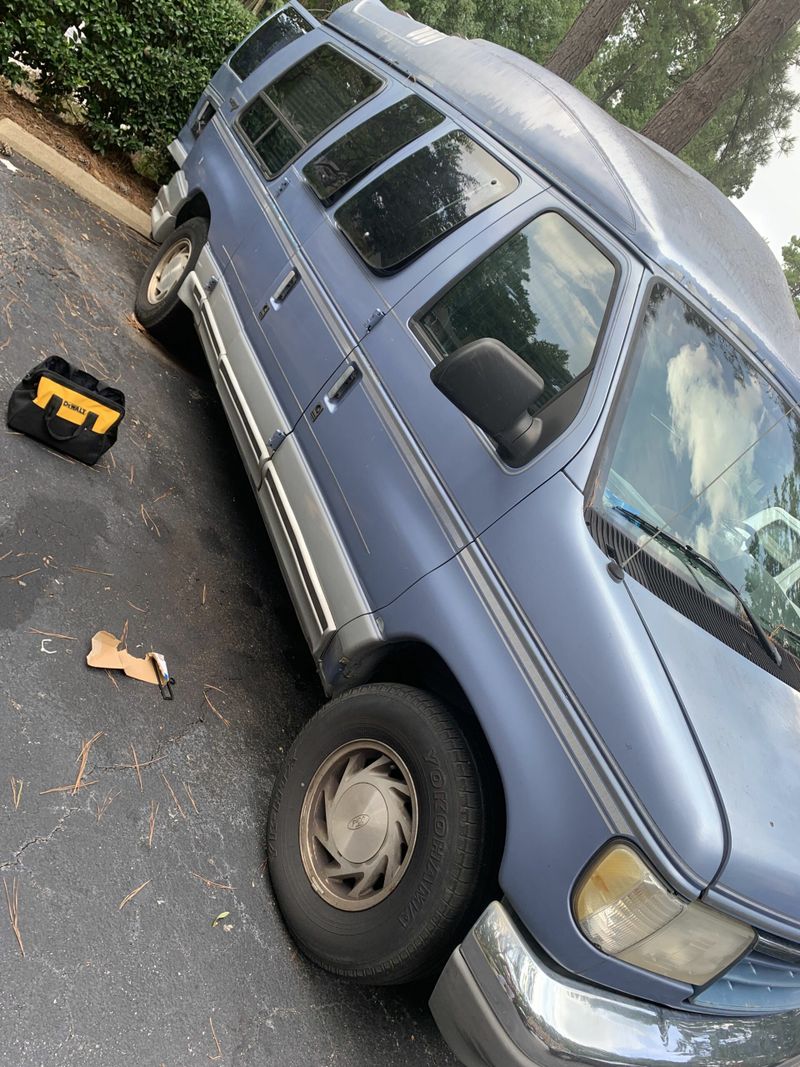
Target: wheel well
(195, 207)
(417, 664)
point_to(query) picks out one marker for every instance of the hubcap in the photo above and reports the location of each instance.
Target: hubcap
(358, 825)
(169, 270)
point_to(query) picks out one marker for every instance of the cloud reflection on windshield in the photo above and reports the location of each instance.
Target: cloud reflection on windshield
(714, 422)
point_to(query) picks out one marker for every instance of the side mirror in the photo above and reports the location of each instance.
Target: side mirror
(494, 388)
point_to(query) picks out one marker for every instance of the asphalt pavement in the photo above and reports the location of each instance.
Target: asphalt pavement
(164, 533)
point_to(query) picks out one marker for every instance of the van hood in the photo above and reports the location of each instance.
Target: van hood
(747, 724)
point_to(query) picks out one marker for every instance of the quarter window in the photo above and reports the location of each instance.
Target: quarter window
(302, 103)
(420, 199)
(544, 293)
(359, 151)
(279, 30)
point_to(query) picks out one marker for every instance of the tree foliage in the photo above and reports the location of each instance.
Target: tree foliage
(791, 268)
(747, 129)
(137, 67)
(738, 57)
(531, 27)
(662, 43)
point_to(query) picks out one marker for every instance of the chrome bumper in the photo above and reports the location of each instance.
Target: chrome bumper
(170, 199)
(499, 1005)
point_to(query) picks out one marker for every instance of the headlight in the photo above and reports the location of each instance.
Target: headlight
(626, 911)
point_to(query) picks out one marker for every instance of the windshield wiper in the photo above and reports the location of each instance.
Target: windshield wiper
(658, 533)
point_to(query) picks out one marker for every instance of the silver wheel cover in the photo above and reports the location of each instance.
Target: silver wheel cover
(358, 825)
(169, 271)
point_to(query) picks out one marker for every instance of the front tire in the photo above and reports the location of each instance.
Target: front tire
(378, 826)
(157, 306)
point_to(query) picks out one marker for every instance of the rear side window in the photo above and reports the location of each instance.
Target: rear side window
(349, 159)
(284, 27)
(420, 199)
(544, 293)
(302, 103)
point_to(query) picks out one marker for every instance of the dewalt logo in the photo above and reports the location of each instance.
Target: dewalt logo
(74, 406)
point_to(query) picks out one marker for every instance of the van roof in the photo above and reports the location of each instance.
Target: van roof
(666, 210)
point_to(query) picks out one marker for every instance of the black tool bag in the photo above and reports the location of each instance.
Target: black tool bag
(67, 409)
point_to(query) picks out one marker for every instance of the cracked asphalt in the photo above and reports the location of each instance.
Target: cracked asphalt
(165, 534)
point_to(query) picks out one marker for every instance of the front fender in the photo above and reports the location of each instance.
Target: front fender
(562, 800)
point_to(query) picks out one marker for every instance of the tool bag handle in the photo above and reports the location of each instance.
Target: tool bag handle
(53, 408)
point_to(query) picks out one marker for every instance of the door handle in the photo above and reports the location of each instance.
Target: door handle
(285, 287)
(346, 380)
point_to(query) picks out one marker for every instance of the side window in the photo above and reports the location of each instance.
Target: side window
(544, 293)
(279, 30)
(420, 199)
(302, 103)
(349, 159)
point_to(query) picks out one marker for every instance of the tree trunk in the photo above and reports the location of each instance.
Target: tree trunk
(735, 60)
(577, 49)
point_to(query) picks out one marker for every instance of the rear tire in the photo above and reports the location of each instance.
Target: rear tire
(378, 835)
(157, 306)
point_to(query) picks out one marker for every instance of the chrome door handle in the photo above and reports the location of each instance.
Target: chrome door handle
(285, 287)
(345, 381)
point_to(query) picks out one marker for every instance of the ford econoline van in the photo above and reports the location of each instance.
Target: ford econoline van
(517, 394)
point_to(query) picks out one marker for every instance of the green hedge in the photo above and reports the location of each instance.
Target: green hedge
(136, 71)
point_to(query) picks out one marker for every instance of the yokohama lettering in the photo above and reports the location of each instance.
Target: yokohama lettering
(436, 855)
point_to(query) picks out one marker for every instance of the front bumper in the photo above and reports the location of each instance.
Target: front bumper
(170, 199)
(498, 1004)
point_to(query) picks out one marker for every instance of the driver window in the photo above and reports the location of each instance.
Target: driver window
(544, 293)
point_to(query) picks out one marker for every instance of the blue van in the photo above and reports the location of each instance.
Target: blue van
(517, 393)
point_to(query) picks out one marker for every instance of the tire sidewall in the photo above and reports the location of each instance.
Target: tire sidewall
(415, 917)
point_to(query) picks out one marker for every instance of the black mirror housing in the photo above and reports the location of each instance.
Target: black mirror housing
(495, 388)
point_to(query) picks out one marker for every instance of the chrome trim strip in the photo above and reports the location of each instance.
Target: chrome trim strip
(297, 546)
(215, 340)
(778, 950)
(555, 1019)
(752, 909)
(256, 441)
(194, 295)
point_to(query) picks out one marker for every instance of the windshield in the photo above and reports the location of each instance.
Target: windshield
(705, 447)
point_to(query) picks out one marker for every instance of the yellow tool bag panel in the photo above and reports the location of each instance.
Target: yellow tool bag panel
(67, 409)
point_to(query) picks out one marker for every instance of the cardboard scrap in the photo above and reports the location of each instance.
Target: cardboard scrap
(109, 652)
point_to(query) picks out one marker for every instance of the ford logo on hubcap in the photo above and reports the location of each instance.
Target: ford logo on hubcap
(358, 821)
